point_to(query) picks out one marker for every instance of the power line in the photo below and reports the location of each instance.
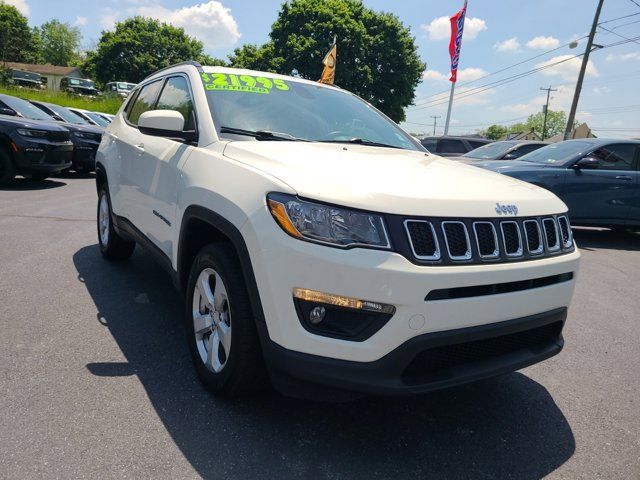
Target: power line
(619, 18)
(501, 70)
(617, 34)
(635, 3)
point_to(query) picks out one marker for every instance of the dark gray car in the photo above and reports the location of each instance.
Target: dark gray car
(503, 150)
(452, 146)
(598, 179)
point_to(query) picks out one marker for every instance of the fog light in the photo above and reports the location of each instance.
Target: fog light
(317, 315)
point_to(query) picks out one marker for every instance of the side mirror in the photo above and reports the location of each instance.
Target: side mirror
(587, 163)
(509, 156)
(8, 111)
(164, 123)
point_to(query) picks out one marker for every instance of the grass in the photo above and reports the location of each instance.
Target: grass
(109, 104)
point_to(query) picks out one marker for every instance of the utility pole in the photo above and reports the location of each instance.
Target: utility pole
(545, 109)
(583, 68)
(435, 119)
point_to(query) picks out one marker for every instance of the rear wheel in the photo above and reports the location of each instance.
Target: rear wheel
(223, 339)
(7, 169)
(112, 245)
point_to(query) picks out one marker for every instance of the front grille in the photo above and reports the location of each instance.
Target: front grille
(436, 364)
(445, 241)
(58, 136)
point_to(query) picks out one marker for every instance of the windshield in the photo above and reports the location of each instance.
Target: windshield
(491, 150)
(28, 76)
(25, 109)
(126, 86)
(79, 82)
(67, 115)
(296, 109)
(557, 153)
(97, 118)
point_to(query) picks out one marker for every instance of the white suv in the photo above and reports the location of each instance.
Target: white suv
(319, 245)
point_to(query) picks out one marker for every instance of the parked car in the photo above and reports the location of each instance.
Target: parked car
(90, 117)
(503, 150)
(598, 179)
(106, 116)
(79, 86)
(340, 254)
(119, 88)
(452, 146)
(85, 137)
(22, 78)
(32, 148)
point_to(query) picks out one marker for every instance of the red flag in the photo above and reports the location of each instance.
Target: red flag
(457, 27)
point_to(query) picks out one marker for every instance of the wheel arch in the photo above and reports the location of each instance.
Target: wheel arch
(5, 144)
(201, 226)
(101, 176)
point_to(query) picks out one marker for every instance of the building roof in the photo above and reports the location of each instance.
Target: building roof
(46, 69)
(521, 136)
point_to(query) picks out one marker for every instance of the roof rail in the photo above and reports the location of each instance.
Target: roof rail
(193, 63)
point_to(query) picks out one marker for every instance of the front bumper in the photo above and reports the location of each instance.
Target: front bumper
(84, 155)
(41, 156)
(425, 363)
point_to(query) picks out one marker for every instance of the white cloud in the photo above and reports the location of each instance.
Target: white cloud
(543, 43)
(108, 18)
(510, 45)
(440, 28)
(568, 69)
(210, 22)
(464, 75)
(80, 21)
(623, 57)
(21, 5)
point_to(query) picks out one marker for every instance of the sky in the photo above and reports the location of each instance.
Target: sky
(498, 34)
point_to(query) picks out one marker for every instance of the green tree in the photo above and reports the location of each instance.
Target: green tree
(556, 123)
(138, 47)
(17, 42)
(495, 132)
(59, 42)
(377, 56)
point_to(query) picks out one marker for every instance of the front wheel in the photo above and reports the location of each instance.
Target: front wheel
(222, 334)
(112, 245)
(7, 169)
(39, 177)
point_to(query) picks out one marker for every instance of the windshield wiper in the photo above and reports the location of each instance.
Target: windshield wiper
(361, 141)
(262, 134)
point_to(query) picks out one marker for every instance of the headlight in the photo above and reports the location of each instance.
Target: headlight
(32, 133)
(338, 226)
(87, 136)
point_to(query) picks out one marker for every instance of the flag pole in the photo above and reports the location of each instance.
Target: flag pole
(446, 124)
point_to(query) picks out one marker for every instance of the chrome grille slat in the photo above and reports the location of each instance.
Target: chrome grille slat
(551, 234)
(418, 247)
(533, 237)
(453, 231)
(507, 229)
(482, 242)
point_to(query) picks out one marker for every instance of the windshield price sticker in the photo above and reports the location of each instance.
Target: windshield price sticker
(242, 83)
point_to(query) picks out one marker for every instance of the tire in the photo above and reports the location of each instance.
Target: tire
(39, 177)
(228, 328)
(112, 245)
(7, 169)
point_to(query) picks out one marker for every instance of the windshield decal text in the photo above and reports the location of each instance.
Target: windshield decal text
(242, 83)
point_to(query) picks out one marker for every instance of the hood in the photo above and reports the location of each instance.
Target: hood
(391, 180)
(21, 122)
(75, 127)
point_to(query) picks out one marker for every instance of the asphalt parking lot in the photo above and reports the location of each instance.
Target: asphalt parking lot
(96, 380)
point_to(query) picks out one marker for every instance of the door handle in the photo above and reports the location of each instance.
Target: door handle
(624, 177)
(139, 147)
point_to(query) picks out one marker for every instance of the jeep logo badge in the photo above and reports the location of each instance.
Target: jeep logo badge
(506, 209)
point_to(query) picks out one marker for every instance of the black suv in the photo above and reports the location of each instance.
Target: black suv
(31, 148)
(85, 137)
(452, 146)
